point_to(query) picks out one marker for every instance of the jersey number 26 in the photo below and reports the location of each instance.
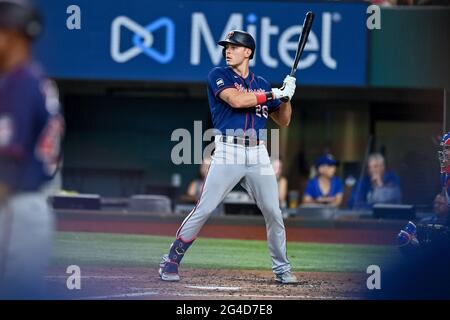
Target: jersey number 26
(264, 110)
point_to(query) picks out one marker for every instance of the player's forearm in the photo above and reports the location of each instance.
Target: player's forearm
(238, 99)
(282, 116)
(241, 100)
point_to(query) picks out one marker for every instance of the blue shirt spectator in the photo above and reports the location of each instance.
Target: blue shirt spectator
(378, 186)
(313, 189)
(325, 188)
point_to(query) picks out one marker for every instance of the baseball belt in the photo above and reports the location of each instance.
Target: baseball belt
(247, 142)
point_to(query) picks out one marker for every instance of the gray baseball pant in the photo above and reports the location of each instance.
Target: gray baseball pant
(231, 164)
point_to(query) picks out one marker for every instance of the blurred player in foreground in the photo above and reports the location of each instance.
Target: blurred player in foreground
(31, 128)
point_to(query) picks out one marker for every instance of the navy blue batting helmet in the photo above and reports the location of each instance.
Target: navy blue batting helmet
(240, 38)
(22, 16)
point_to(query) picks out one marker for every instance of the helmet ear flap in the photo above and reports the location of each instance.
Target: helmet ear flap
(223, 52)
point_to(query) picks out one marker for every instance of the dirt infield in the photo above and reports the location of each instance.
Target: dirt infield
(201, 284)
(217, 284)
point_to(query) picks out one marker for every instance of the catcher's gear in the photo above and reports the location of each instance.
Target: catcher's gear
(430, 233)
(407, 239)
(444, 162)
(433, 234)
(240, 38)
(444, 154)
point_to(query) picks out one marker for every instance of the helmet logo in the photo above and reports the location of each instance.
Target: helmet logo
(230, 34)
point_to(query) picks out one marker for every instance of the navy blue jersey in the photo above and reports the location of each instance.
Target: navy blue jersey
(226, 117)
(31, 127)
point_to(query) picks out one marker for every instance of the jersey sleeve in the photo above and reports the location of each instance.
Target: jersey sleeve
(273, 105)
(219, 80)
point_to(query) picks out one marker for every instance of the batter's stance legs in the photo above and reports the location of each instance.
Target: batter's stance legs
(264, 189)
(219, 181)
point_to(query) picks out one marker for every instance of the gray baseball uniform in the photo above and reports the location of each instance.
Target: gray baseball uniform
(26, 231)
(240, 156)
(231, 164)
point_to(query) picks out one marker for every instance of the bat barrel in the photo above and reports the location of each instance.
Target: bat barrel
(307, 24)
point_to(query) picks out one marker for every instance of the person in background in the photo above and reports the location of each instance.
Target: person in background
(282, 182)
(378, 186)
(441, 209)
(195, 187)
(325, 187)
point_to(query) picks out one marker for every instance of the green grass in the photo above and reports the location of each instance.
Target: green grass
(135, 250)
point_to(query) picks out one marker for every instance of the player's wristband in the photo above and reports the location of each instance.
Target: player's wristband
(262, 97)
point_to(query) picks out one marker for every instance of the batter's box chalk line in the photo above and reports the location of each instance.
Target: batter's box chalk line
(91, 277)
(219, 288)
(124, 295)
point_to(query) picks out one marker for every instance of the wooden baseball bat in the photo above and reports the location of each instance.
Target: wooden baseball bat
(307, 24)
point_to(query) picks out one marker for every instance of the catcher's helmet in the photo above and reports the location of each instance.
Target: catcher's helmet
(444, 154)
(22, 16)
(240, 38)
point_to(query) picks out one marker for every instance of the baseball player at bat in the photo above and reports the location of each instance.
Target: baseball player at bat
(241, 103)
(31, 127)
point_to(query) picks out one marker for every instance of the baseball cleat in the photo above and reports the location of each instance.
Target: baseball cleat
(286, 278)
(168, 270)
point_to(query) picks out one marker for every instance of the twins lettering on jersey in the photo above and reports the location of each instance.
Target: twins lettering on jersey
(259, 110)
(224, 117)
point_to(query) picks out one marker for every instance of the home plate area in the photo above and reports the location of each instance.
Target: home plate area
(99, 283)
